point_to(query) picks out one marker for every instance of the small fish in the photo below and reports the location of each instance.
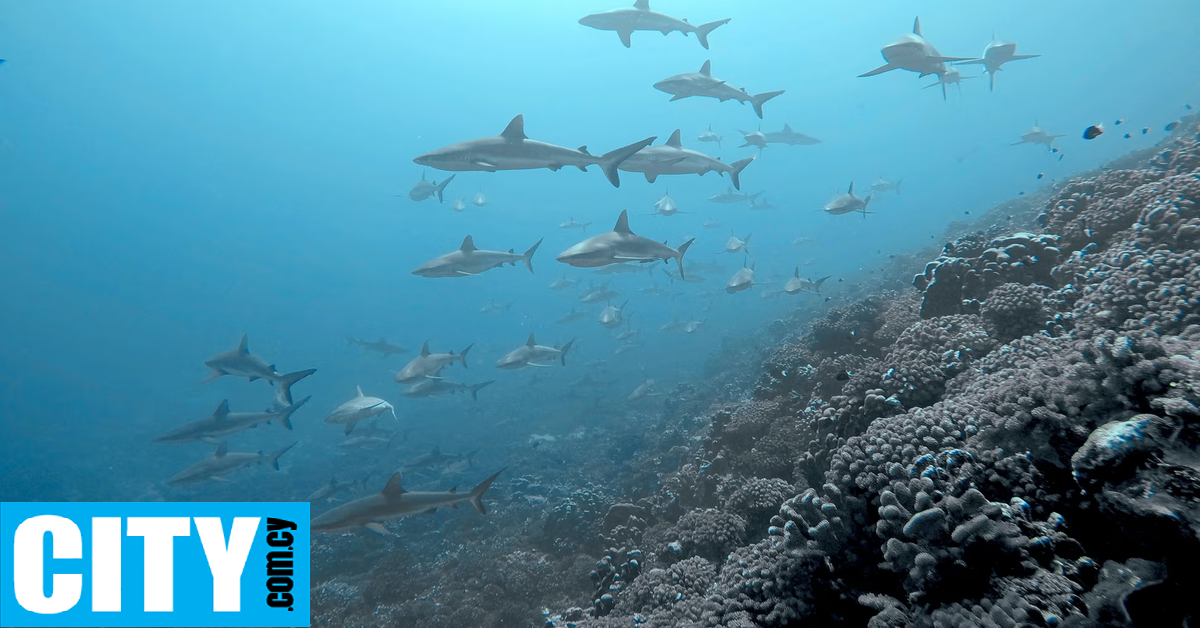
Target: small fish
(967, 213)
(842, 375)
(1094, 131)
(1128, 135)
(1171, 126)
(1118, 123)
(1145, 130)
(828, 299)
(1040, 175)
(1188, 107)
(1060, 157)
(1054, 150)
(1021, 194)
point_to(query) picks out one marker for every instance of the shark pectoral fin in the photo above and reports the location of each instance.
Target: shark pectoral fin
(379, 528)
(253, 378)
(879, 70)
(216, 373)
(678, 97)
(624, 35)
(430, 511)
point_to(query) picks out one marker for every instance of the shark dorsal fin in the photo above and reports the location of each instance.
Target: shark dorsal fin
(706, 69)
(453, 489)
(358, 389)
(622, 224)
(674, 140)
(642, 5)
(394, 487)
(515, 131)
(530, 342)
(243, 346)
(583, 149)
(851, 190)
(222, 449)
(797, 273)
(787, 128)
(468, 245)
(917, 27)
(425, 348)
(222, 410)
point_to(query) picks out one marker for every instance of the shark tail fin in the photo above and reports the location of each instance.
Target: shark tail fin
(683, 249)
(476, 496)
(817, 283)
(288, 411)
(703, 30)
(442, 186)
(759, 99)
(562, 356)
(474, 390)
(285, 382)
(527, 257)
(462, 357)
(736, 169)
(610, 160)
(274, 455)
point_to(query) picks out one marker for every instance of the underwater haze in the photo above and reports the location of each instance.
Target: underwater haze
(177, 175)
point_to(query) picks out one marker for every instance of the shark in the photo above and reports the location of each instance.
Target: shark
(563, 283)
(792, 138)
(645, 389)
(757, 139)
(797, 284)
(641, 18)
(425, 188)
(360, 408)
(571, 317)
(283, 389)
(762, 204)
(995, 55)
(429, 364)
(949, 76)
(240, 362)
(513, 150)
(736, 245)
(599, 294)
(436, 458)
(730, 197)
(913, 53)
(742, 280)
(393, 502)
(533, 354)
(1037, 135)
(222, 423)
(703, 84)
(848, 202)
(479, 200)
(224, 462)
(331, 490)
(612, 316)
(673, 158)
(693, 326)
(666, 206)
(492, 307)
(883, 185)
(439, 386)
(574, 224)
(713, 223)
(381, 346)
(469, 261)
(621, 245)
(459, 205)
(709, 136)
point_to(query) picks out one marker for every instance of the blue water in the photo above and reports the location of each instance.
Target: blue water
(173, 175)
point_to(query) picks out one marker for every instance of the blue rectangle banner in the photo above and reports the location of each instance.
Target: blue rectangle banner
(154, 564)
